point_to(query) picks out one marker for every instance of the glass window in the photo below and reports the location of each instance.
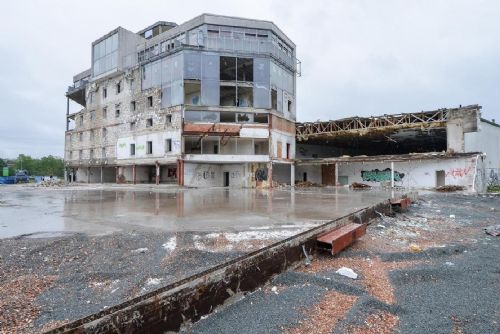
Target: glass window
(105, 55)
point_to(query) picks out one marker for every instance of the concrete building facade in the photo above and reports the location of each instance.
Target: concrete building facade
(210, 102)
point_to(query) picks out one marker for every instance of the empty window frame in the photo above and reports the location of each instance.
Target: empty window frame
(118, 88)
(149, 122)
(132, 125)
(104, 92)
(228, 68)
(81, 120)
(236, 69)
(91, 134)
(104, 113)
(228, 96)
(80, 154)
(261, 146)
(244, 118)
(192, 145)
(91, 153)
(168, 120)
(150, 101)
(274, 99)
(149, 147)
(245, 96)
(210, 145)
(289, 106)
(117, 113)
(132, 149)
(192, 92)
(103, 152)
(260, 118)
(80, 136)
(244, 69)
(104, 132)
(168, 145)
(227, 117)
(92, 115)
(133, 105)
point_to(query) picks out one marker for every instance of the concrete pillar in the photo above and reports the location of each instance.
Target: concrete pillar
(392, 174)
(180, 172)
(65, 175)
(336, 174)
(67, 113)
(101, 175)
(116, 175)
(134, 174)
(157, 173)
(88, 174)
(270, 174)
(292, 175)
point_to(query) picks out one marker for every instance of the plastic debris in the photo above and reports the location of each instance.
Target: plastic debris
(493, 230)
(140, 250)
(347, 272)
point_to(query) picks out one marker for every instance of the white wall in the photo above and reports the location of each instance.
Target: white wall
(212, 175)
(486, 140)
(285, 139)
(417, 174)
(313, 173)
(158, 139)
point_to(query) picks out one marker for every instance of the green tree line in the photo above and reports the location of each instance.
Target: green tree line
(44, 166)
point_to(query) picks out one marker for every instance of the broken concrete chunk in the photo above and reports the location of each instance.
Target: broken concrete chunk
(140, 250)
(493, 230)
(415, 248)
(347, 272)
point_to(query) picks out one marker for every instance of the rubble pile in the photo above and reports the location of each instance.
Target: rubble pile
(450, 188)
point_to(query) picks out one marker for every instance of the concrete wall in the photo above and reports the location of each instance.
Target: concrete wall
(421, 174)
(486, 140)
(284, 138)
(281, 173)
(212, 175)
(158, 140)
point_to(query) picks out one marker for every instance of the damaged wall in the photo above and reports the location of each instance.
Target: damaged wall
(212, 175)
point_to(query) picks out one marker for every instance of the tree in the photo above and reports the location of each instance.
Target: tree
(45, 166)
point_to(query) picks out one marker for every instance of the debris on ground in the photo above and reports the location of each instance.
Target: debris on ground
(347, 272)
(450, 188)
(415, 248)
(493, 230)
(305, 184)
(356, 185)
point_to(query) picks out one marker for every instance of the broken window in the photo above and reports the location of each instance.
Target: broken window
(228, 96)
(149, 147)
(132, 125)
(80, 137)
(117, 113)
(104, 113)
(289, 106)
(168, 120)
(261, 146)
(244, 69)
(244, 118)
(168, 145)
(150, 101)
(274, 99)
(288, 151)
(103, 152)
(149, 122)
(245, 96)
(81, 120)
(91, 153)
(210, 145)
(192, 92)
(132, 105)
(260, 118)
(104, 92)
(228, 68)
(132, 149)
(118, 88)
(227, 117)
(192, 145)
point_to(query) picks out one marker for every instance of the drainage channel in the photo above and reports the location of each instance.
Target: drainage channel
(175, 306)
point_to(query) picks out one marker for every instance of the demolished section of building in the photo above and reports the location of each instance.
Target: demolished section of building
(416, 150)
(210, 102)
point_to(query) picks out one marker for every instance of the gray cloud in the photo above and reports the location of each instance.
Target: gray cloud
(358, 57)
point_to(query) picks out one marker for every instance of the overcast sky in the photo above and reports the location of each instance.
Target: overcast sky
(358, 57)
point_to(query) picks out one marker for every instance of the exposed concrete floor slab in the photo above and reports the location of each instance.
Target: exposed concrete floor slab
(90, 247)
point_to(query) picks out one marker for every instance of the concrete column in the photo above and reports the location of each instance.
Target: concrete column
(292, 175)
(101, 175)
(336, 174)
(116, 174)
(270, 175)
(88, 174)
(134, 174)
(157, 173)
(392, 174)
(67, 113)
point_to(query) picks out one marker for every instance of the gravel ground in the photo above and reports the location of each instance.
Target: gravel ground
(429, 270)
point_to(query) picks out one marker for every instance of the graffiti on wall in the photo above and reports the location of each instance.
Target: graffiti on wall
(261, 174)
(493, 178)
(459, 172)
(205, 175)
(376, 175)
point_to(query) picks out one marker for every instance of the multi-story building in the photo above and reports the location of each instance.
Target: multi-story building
(210, 102)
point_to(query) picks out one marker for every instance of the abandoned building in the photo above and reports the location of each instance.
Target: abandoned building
(210, 102)
(415, 150)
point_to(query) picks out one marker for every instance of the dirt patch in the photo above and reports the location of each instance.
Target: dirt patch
(376, 323)
(325, 315)
(18, 308)
(374, 273)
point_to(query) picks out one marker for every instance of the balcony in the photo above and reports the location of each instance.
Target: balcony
(76, 92)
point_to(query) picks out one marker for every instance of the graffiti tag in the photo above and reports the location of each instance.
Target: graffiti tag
(459, 172)
(376, 175)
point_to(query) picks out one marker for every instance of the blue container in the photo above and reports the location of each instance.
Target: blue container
(7, 179)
